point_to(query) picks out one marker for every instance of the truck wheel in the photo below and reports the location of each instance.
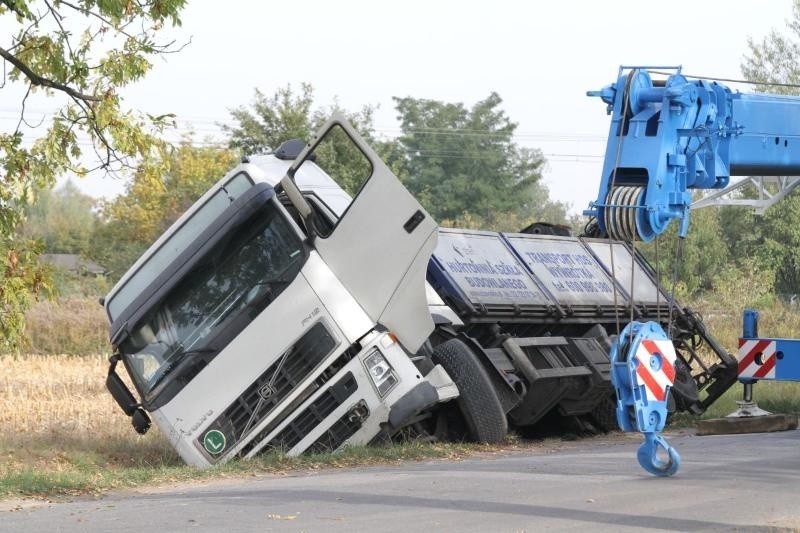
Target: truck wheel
(477, 401)
(684, 389)
(604, 415)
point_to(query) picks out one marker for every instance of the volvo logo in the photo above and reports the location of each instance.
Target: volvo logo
(266, 391)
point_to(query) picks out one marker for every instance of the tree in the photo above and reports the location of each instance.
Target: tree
(701, 258)
(776, 58)
(466, 170)
(271, 120)
(462, 162)
(77, 54)
(779, 248)
(62, 219)
(135, 219)
(774, 63)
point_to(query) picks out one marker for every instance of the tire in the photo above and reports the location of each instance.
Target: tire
(684, 389)
(604, 415)
(478, 403)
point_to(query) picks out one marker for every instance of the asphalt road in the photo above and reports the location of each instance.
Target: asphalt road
(741, 483)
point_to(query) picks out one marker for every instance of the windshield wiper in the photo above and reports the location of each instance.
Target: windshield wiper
(267, 294)
(181, 366)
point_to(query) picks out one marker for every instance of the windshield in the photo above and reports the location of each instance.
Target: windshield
(172, 248)
(245, 272)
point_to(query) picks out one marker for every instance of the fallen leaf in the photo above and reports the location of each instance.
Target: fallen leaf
(280, 517)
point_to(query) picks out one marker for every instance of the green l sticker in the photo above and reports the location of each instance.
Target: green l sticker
(214, 442)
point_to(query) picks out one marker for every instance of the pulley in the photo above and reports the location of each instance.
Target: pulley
(621, 213)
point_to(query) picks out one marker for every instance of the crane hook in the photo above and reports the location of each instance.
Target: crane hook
(643, 371)
(648, 456)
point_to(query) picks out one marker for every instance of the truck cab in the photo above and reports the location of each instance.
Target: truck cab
(279, 313)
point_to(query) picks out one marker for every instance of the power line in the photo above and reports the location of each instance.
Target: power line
(217, 126)
(730, 80)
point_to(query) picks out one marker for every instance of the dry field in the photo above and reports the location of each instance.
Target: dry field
(63, 434)
(56, 415)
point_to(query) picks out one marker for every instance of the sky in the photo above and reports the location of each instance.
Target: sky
(540, 57)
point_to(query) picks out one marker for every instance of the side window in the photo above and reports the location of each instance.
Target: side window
(324, 219)
(323, 216)
(340, 158)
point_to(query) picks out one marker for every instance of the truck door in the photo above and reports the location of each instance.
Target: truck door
(380, 247)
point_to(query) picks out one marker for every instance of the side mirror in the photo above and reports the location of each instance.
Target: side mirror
(125, 399)
(140, 421)
(120, 392)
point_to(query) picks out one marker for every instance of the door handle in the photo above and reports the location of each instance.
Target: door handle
(412, 223)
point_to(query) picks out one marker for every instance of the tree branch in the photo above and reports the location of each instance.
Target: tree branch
(35, 79)
(13, 7)
(98, 16)
(22, 113)
(24, 34)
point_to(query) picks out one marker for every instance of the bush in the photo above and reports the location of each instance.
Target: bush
(72, 325)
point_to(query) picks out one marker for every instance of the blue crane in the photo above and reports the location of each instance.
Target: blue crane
(671, 136)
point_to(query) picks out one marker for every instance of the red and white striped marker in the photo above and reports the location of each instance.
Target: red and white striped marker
(656, 368)
(751, 365)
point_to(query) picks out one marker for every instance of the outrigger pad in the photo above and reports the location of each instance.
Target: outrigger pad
(747, 424)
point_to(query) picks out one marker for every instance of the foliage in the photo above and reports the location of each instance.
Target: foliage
(271, 120)
(505, 221)
(78, 55)
(780, 245)
(690, 264)
(462, 164)
(74, 325)
(135, 219)
(21, 280)
(742, 231)
(463, 161)
(776, 59)
(745, 285)
(62, 220)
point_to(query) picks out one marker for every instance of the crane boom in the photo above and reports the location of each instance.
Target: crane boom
(671, 136)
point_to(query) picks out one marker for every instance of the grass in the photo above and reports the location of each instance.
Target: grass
(773, 396)
(73, 321)
(64, 435)
(90, 473)
(722, 312)
(60, 423)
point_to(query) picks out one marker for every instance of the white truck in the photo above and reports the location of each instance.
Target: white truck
(252, 324)
(278, 313)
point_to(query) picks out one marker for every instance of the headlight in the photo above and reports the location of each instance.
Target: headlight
(380, 371)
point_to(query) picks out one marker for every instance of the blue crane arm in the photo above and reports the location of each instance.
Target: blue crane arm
(769, 144)
(670, 136)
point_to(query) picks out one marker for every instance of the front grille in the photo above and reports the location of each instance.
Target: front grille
(314, 414)
(273, 385)
(343, 429)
